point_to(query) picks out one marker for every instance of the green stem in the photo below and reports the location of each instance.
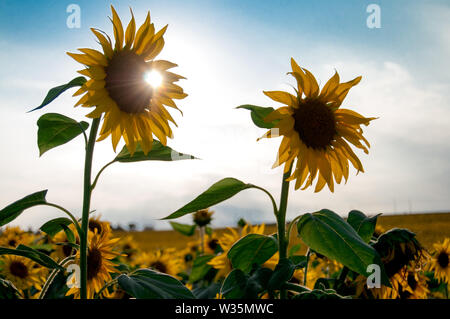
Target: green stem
(86, 205)
(308, 253)
(75, 221)
(281, 223)
(99, 173)
(275, 208)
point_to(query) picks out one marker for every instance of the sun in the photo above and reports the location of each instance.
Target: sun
(154, 78)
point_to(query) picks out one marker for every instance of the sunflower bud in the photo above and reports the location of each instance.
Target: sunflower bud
(203, 217)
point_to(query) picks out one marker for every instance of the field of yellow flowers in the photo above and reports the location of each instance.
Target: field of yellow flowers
(198, 257)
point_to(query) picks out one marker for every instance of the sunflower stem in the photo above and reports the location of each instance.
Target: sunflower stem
(99, 173)
(281, 223)
(308, 253)
(86, 205)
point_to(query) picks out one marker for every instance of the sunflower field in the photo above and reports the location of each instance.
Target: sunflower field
(128, 92)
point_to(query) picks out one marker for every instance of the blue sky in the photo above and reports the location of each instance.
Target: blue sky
(230, 51)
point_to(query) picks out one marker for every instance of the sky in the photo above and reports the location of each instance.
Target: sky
(230, 51)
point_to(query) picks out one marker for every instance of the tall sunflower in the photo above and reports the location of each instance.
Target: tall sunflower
(128, 86)
(316, 131)
(166, 261)
(440, 262)
(100, 253)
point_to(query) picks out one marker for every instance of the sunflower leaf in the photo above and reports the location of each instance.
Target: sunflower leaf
(252, 249)
(149, 284)
(159, 152)
(258, 113)
(54, 226)
(187, 230)
(200, 268)
(8, 290)
(56, 91)
(330, 235)
(56, 129)
(12, 211)
(35, 255)
(218, 192)
(364, 226)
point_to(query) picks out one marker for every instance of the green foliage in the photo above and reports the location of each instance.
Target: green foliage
(364, 226)
(56, 91)
(218, 192)
(56, 129)
(159, 152)
(283, 273)
(149, 284)
(258, 113)
(319, 294)
(239, 285)
(200, 268)
(330, 235)
(252, 249)
(54, 226)
(12, 211)
(187, 230)
(8, 290)
(33, 254)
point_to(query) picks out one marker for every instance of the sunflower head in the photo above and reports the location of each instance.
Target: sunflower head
(22, 272)
(316, 131)
(128, 85)
(203, 217)
(440, 261)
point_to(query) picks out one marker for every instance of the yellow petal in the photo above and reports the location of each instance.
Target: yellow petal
(105, 42)
(129, 33)
(118, 29)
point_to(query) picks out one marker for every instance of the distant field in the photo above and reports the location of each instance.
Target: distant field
(429, 228)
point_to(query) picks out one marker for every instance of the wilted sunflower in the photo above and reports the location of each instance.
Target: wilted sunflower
(128, 86)
(99, 264)
(166, 261)
(22, 272)
(440, 262)
(316, 131)
(202, 217)
(226, 241)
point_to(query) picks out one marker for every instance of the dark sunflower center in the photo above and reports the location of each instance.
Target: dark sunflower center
(412, 282)
(125, 82)
(443, 260)
(93, 225)
(188, 257)
(315, 124)
(18, 269)
(12, 243)
(213, 243)
(161, 267)
(94, 263)
(67, 250)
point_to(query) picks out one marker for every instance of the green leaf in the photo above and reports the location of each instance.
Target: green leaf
(218, 192)
(298, 260)
(149, 284)
(56, 129)
(35, 255)
(187, 230)
(200, 268)
(240, 285)
(283, 273)
(364, 226)
(8, 290)
(328, 234)
(56, 91)
(159, 152)
(54, 226)
(294, 249)
(69, 234)
(319, 294)
(252, 249)
(258, 113)
(12, 211)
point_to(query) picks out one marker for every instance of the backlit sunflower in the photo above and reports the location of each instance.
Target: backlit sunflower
(128, 86)
(99, 264)
(316, 131)
(440, 262)
(166, 261)
(22, 272)
(226, 241)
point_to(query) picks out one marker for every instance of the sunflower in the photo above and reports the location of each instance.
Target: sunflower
(22, 272)
(211, 244)
(316, 131)
(62, 247)
(128, 246)
(118, 86)
(166, 261)
(99, 264)
(11, 237)
(102, 227)
(440, 262)
(226, 241)
(202, 217)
